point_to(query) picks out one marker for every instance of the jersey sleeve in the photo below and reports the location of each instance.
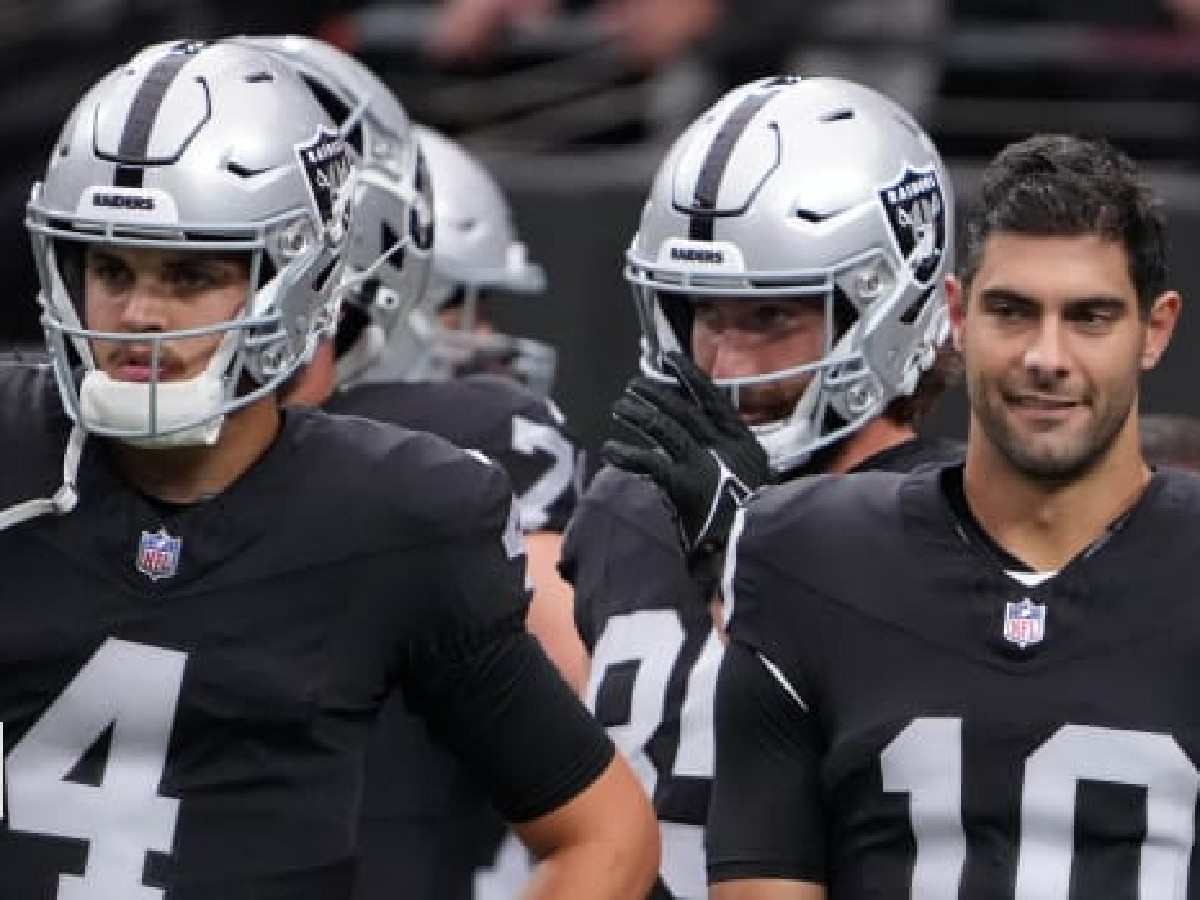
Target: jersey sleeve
(479, 679)
(621, 554)
(766, 607)
(515, 724)
(765, 818)
(581, 564)
(469, 576)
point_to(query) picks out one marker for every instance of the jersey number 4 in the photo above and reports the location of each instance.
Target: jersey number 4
(925, 761)
(128, 692)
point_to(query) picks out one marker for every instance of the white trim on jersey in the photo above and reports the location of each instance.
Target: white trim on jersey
(1030, 579)
(727, 577)
(778, 675)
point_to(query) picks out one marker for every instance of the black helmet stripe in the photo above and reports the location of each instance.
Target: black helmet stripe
(143, 111)
(708, 183)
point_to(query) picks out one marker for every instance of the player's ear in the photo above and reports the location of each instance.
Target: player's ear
(956, 309)
(1160, 325)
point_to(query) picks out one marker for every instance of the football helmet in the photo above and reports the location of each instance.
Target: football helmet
(803, 188)
(475, 250)
(392, 226)
(193, 146)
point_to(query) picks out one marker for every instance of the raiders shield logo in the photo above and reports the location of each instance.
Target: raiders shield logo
(916, 210)
(326, 165)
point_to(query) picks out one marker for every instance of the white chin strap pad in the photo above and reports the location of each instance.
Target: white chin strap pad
(188, 413)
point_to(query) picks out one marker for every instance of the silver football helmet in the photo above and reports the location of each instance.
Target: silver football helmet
(475, 250)
(804, 187)
(392, 226)
(193, 146)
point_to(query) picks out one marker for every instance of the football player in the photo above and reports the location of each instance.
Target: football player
(426, 823)
(790, 259)
(478, 264)
(213, 600)
(970, 681)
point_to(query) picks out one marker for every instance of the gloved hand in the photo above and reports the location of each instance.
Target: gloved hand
(698, 452)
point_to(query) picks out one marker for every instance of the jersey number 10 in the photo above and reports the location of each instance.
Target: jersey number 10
(925, 761)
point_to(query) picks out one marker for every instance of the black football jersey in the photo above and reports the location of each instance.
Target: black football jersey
(187, 691)
(524, 433)
(654, 650)
(426, 823)
(903, 713)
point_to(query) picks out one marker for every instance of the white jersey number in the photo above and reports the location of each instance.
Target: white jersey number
(531, 437)
(925, 761)
(132, 689)
(652, 643)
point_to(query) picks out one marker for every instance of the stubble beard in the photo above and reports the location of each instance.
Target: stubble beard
(1049, 460)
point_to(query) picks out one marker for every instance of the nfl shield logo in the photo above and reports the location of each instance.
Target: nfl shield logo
(1024, 622)
(158, 554)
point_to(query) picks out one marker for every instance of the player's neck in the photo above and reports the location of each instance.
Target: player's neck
(313, 384)
(189, 474)
(1043, 523)
(880, 434)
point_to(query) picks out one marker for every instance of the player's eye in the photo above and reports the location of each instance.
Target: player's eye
(1094, 316)
(109, 270)
(1010, 309)
(772, 316)
(190, 277)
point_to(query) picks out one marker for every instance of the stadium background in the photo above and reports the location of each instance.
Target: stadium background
(573, 129)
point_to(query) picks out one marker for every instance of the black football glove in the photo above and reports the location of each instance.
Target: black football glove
(699, 452)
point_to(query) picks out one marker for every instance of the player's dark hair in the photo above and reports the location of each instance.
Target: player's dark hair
(1170, 440)
(1064, 186)
(934, 381)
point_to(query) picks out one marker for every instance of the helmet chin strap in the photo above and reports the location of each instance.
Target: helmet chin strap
(64, 499)
(780, 439)
(177, 414)
(124, 406)
(791, 442)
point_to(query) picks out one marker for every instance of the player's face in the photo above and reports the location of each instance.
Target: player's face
(737, 337)
(1053, 346)
(146, 291)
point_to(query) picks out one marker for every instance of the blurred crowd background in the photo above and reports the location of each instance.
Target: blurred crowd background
(571, 103)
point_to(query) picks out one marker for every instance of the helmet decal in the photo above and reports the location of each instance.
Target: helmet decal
(916, 210)
(326, 166)
(386, 207)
